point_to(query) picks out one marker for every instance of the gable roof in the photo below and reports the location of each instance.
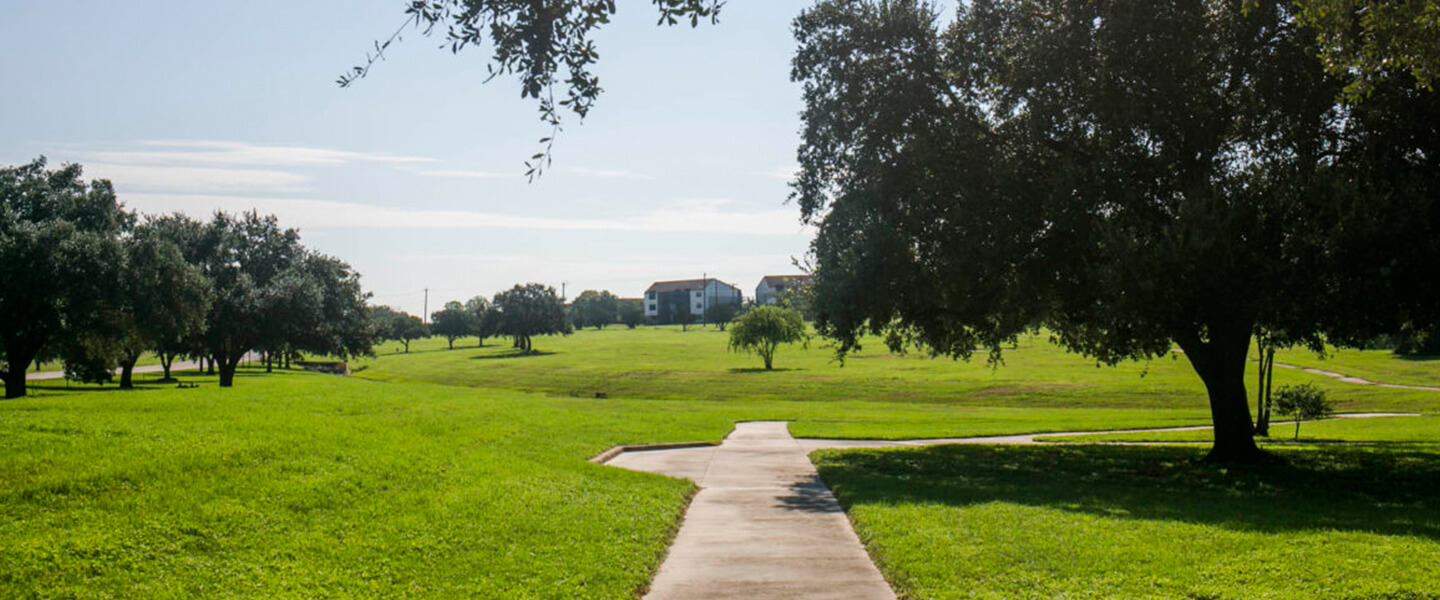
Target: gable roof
(774, 280)
(684, 285)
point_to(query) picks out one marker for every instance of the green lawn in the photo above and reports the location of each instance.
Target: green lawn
(463, 473)
(663, 362)
(1102, 522)
(1390, 430)
(1371, 365)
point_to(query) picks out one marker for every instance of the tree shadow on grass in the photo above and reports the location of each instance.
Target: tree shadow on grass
(511, 354)
(738, 370)
(1388, 491)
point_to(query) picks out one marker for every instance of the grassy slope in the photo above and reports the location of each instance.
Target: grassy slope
(298, 485)
(1144, 522)
(663, 362)
(1372, 365)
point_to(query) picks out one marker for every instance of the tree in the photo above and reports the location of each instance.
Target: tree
(1304, 402)
(272, 294)
(597, 309)
(533, 41)
(165, 299)
(762, 330)
(59, 256)
(1365, 41)
(680, 312)
(452, 322)
(529, 310)
(1129, 175)
(484, 319)
(721, 313)
(632, 312)
(391, 324)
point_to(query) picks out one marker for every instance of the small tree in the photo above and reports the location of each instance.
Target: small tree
(390, 324)
(484, 319)
(632, 313)
(721, 314)
(1304, 402)
(452, 322)
(761, 331)
(596, 309)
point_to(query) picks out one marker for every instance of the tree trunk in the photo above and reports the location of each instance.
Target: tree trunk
(1220, 363)
(407, 345)
(227, 369)
(269, 361)
(127, 372)
(212, 367)
(18, 362)
(166, 359)
(452, 342)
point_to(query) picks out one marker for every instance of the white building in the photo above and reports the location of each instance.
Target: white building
(666, 300)
(774, 287)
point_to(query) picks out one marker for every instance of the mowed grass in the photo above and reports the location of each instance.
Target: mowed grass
(1371, 365)
(309, 486)
(1387, 430)
(666, 363)
(463, 473)
(1022, 522)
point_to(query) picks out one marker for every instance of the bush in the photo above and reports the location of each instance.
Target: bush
(1303, 402)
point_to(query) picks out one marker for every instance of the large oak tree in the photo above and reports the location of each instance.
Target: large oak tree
(1131, 175)
(59, 256)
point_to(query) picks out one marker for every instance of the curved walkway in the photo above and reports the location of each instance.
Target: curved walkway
(1358, 381)
(764, 526)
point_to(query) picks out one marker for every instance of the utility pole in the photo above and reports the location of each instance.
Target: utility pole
(562, 290)
(425, 316)
(704, 297)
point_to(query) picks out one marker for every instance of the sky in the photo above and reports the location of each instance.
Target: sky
(415, 175)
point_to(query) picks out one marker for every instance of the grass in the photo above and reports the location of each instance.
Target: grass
(665, 363)
(443, 474)
(1390, 430)
(1144, 522)
(1372, 365)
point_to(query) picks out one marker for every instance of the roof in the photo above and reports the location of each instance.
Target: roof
(684, 285)
(774, 280)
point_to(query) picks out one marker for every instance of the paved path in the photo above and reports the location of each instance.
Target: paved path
(1358, 381)
(762, 525)
(176, 367)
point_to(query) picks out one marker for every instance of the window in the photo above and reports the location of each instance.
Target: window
(651, 308)
(650, 296)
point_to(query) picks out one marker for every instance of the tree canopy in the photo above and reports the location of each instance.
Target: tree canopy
(1129, 175)
(390, 324)
(762, 329)
(597, 309)
(529, 310)
(452, 322)
(59, 257)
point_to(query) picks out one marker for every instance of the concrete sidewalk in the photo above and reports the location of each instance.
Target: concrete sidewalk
(762, 526)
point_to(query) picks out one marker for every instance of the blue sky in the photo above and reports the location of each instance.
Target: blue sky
(415, 175)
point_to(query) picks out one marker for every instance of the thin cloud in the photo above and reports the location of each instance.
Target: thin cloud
(324, 213)
(218, 153)
(783, 173)
(203, 180)
(610, 173)
(461, 173)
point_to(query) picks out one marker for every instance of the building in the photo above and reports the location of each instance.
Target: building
(774, 287)
(667, 300)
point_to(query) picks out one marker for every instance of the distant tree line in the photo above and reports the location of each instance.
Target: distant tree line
(95, 286)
